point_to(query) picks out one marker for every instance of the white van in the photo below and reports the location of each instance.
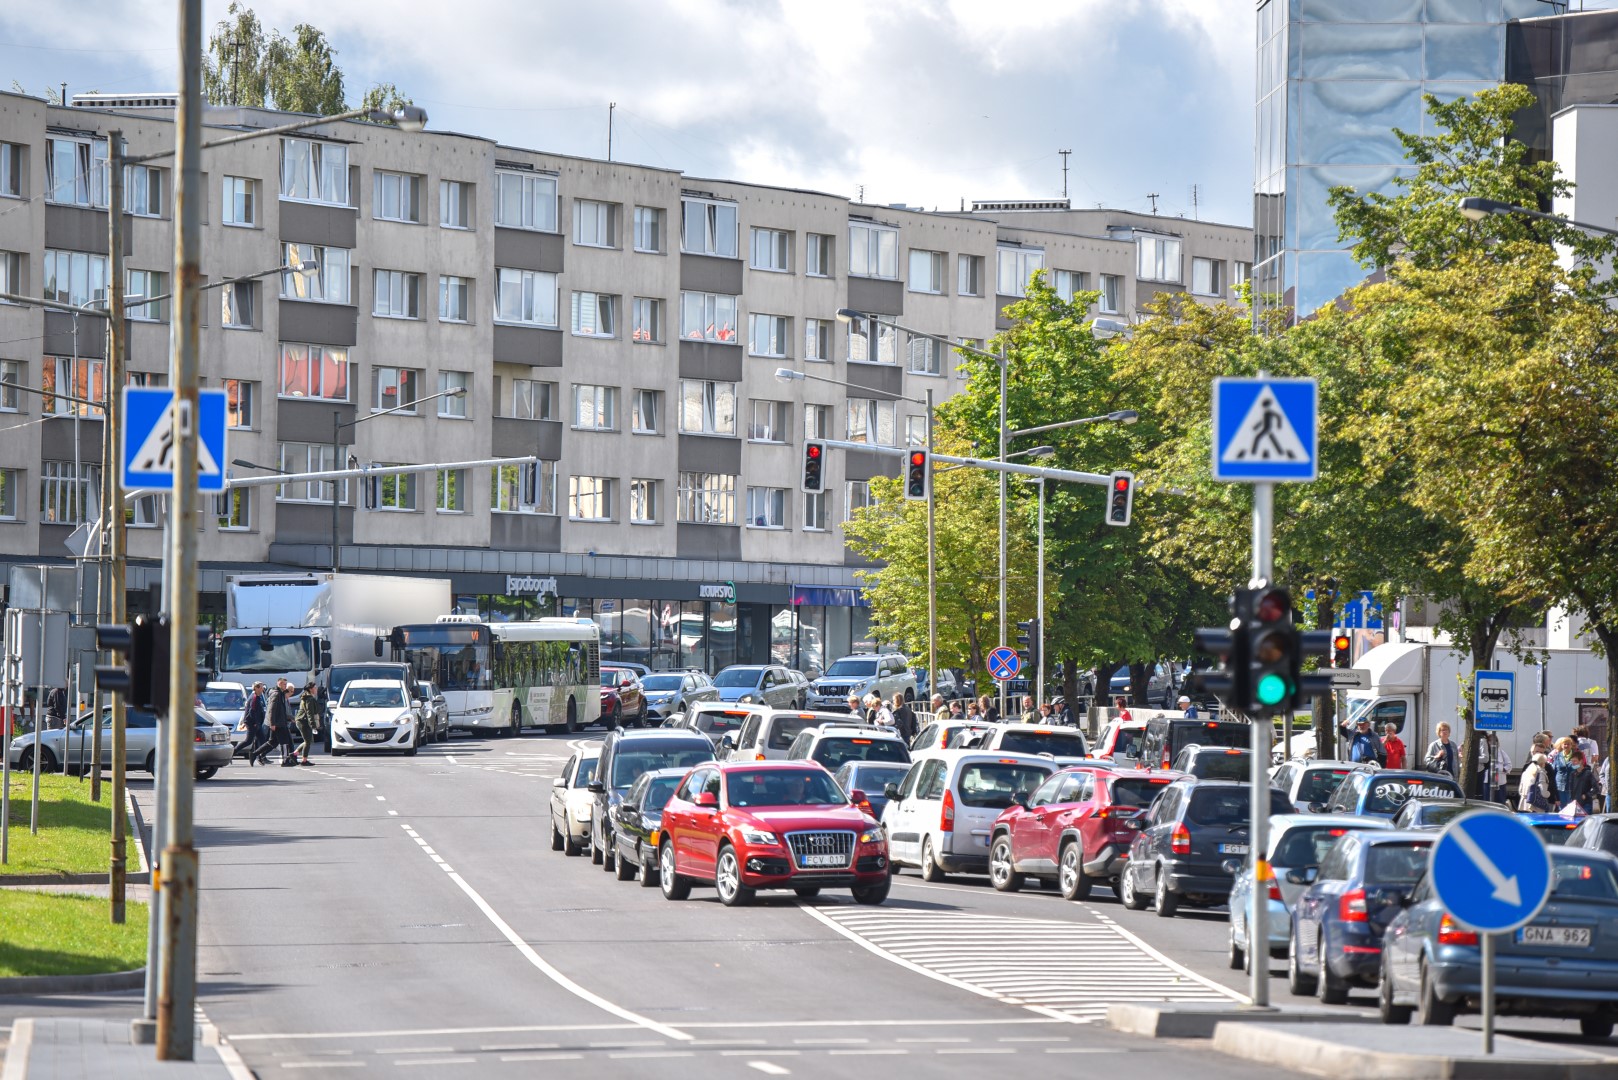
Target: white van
(1064, 743)
(938, 817)
(768, 734)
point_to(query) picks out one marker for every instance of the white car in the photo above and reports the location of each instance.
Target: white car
(573, 803)
(226, 702)
(940, 815)
(374, 714)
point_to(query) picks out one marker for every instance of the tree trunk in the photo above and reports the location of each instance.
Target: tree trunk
(1138, 684)
(1070, 685)
(1608, 636)
(1325, 705)
(1103, 678)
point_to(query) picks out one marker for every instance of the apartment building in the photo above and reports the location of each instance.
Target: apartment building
(623, 324)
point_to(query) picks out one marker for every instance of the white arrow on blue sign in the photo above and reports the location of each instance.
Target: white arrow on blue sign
(1004, 663)
(1265, 430)
(1491, 871)
(147, 454)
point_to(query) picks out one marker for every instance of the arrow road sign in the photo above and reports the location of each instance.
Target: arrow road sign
(1004, 663)
(1493, 694)
(1491, 871)
(1264, 430)
(1350, 678)
(147, 453)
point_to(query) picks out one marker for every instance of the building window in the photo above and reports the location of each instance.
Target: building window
(589, 498)
(397, 197)
(924, 355)
(143, 512)
(524, 489)
(1112, 292)
(397, 294)
(10, 372)
(648, 321)
(10, 486)
(138, 283)
(872, 422)
(329, 282)
(77, 377)
(66, 498)
(314, 371)
(595, 408)
(594, 315)
(232, 510)
(710, 228)
(647, 412)
(75, 277)
(814, 511)
(454, 204)
(451, 485)
(817, 421)
(533, 400)
(1240, 273)
(873, 251)
(1158, 258)
(143, 190)
(767, 507)
(818, 255)
(314, 171)
(238, 304)
(454, 298)
(770, 335)
(1015, 267)
(525, 201)
(394, 491)
(649, 229)
(926, 271)
(644, 500)
(969, 275)
(395, 386)
(707, 408)
(1205, 275)
(528, 297)
(708, 317)
(595, 224)
(1069, 283)
(860, 332)
(453, 406)
(916, 430)
(770, 421)
(148, 378)
(308, 458)
(12, 278)
(76, 171)
(240, 202)
(707, 498)
(856, 497)
(772, 250)
(11, 169)
(241, 404)
(817, 339)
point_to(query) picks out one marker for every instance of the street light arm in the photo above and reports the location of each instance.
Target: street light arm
(789, 375)
(1476, 209)
(851, 315)
(458, 391)
(52, 305)
(307, 267)
(1119, 416)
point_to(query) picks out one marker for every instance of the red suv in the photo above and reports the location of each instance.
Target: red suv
(745, 826)
(1077, 826)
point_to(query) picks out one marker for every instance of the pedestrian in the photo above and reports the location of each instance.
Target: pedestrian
(1534, 788)
(1592, 751)
(974, 711)
(1442, 756)
(877, 711)
(1494, 768)
(1580, 792)
(855, 710)
(1561, 765)
(955, 710)
(279, 712)
(904, 718)
(1028, 715)
(56, 708)
(1060, 713)
(1187, 708)
(1393, 747)
(937, 705)
(1363, 746)
(253, 720)
(308, 719)
(988, 709)
(1045, 713)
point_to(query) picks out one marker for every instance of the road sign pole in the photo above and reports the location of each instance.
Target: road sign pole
(1486, 943)
(1258, 930)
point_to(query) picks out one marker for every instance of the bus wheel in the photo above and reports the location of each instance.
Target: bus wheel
(572, 716)
(516, 719)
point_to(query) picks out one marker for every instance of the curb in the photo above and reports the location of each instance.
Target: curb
(132, 876)
(22, 1040)
(73, 984)
(1201, 1021)
(1331, 1050)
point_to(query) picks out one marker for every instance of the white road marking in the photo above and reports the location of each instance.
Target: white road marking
(451, 759)
(406, 1033)
(851, 1023)
(381, 798)
(769, 1068)
(322, 1065)
(393, 813)
(438, 1061)
(370, 785)
(865, 1053)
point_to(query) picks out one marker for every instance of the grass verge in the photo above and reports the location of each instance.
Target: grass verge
(74, 833)
(64, 934)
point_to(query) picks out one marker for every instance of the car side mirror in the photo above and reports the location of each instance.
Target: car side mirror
(1021, 799)
(560, 781)
(891, 791)
(707, 800)
(1303, 875)
(596, 786)
(728, 740)
(1317, 808)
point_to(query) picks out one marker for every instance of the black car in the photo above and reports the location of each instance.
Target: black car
(873, 778)
(1598, 832)
(1166, 736)
(1190, 844)
(625, 755)
(1215, 762)
(635, 822)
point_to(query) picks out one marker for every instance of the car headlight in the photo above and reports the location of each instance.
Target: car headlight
(871, 836)
(759, 836)
(746, 699)
(404, 718)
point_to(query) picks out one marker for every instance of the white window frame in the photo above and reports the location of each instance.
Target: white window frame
(646, 412)
(395, 493)
(240, 202)
(599, 402)
(595, 223)
(856, 496)
(11, 170)
(646, 309)
(768, 335)
(396, 294)
(241, 404)
(314, 171)
(594, 315)
(1112, 294)
(916, 430)
(12, 276)
(860, 332)
(400, 378)
(818, 341)
(771, 250)
(64, 499)
(511, 485)
(924, 356)
(927, 270)
(403, 189)
(1014, 266)
(89, 186)
(645, 499)
(1159, 258)
(236, 300)
(299, 457)
(817, 421)
(530, 289)
(77, 376)
(873, 251)
(720, 227)
(329, 284)
(533, 399)
(969, 275)
(716, 317)
(864, 414)
(11, 372)
(233, 510)
(454, 294)
(706, 498)
(650, 232)
(535, 196)
(771, 421)
(150, 283)
(1069, 283)
(590, 498)
(454, 406)
(819, 255)
(449, 497)
(454, 204)
(768, 504)
(1212, 285)
(143, 190)
(705, 400)
(814, 511)
(85, 274)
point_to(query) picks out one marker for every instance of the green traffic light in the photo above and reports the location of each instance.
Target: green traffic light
(1272, 689)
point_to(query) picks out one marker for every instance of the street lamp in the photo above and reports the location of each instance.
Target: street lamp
(337, 426)
(1102, 328)
(1117, 416)
(1476, 209)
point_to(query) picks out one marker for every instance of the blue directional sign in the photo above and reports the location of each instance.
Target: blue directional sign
(1004, 663)
(1494, 697)
(147, 453)
(1361, 612)
(1265, 430)
(1491, 871)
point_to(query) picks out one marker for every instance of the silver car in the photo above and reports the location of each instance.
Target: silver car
(436, 711)
(670, 692)
(758, 684)
(75, 744)
(226, 702)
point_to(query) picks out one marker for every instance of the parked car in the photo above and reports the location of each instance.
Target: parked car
(670, 692)
(1337, 924)
(1597, 832)
(940, 816)
(1309, 784)
(622, 701)
(1554, 829)
(625, 755)
(436, 712)
(883, 674)
(716, 719)
(834, 744)
(745, 826)
(1166, 736)
(758, 684)
(1120, 740)
(1297, 841)
(1160, 684)
(1436, 813)
(1064, 743)
(872, 778)
(572, 803)
(801, 681)
(1076, 829)
(1214, 762)
(75, 744)
(768, 735)
(1564, 963)
(1190, 842)
(226, 703)
(375, 714)
(1381, 792)
(948, 685)
(637, 824)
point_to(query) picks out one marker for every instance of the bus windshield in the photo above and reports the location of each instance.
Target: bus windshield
(267, 655)
(456, 657)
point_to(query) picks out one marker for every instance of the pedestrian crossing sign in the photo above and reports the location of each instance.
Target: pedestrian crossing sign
(1265, 430)
(147, 453)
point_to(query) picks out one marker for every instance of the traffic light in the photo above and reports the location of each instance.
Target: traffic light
(1340, 650)
(162, 649)
(1316, 643)
(1120, 498)
(1274, 649)
(916, 475)
(133, 679)
(814, 460)
(1230, 645)
(1028, 639)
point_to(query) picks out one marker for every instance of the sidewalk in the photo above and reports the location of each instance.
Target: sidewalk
(47, 1048)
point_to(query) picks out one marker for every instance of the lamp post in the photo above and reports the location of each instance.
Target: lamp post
(1476, 209)
(337, 426)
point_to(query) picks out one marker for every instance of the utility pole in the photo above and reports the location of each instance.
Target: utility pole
(932, 565)
(1152, 195)
(113, 522)
(1064, 154)
(611, 105)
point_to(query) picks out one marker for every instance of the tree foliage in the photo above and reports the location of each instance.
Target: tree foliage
(247, 65)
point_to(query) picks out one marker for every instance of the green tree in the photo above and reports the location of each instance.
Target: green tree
(248, 65)
(234, 66)
(385, 96)
(303, 74)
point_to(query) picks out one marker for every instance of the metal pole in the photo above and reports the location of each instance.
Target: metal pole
(1002, 361)
(154, 916)
(39, 710)
(932, 565)
(1039, 617)
(1487, 943)
(114, 523)
(177, 982)
(336, 521)
(1258, 930)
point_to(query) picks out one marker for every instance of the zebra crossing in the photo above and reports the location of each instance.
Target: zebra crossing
(1055, 966)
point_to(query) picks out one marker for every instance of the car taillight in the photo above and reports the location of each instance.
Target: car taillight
(1351, 906)
(198, 737)
(946, 819)
(1180, 841)
(1450, 933)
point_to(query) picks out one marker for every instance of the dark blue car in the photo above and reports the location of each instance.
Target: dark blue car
(1383, 792)
(1337, 924)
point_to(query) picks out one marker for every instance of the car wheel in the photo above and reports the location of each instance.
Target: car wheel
(1300, 982)
(929, 864)
(516, 719)
(647, 875)
(1385, 1007)
(570, 846)
(1128, 894)
(1071, 879)
(556, 837)
(1430, 1011)
(1165, 901)
(151, 762)
(609, 851)
(596, 855)
(623, 869)
(1328, 987)
(871, 894)
(1596, 1027)
(728, 879)
(674, 886)
(1234, 953)
(808, 892)
(1001, 874)
(208, 773)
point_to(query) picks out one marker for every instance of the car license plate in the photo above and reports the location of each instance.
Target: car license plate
(1567, 937)
(373, 736)
(1233, 849)
(823, 860)
(217, 737)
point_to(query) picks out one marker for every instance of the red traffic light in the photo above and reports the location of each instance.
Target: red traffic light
(1273, 606)
(1340, 642)
(917, 457)
(1120, 483)
(814, 450)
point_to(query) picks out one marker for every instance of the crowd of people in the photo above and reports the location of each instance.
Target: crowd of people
(271, 720)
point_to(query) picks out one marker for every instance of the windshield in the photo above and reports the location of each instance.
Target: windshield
(657, 794)
(1126, 740)
(1213, 733)
(738, 677)
(993, 783)
(1387, 796)
(1130, 791)
(225, 700)
(851, 669)
(630, 762)
(875, 777)
(720, 721)
(1396, 864)
(1554, 833)
(342, 676)
(267, 655)
(834, 753)
(372, 697)
(783, 787)
(1065, 743)
(1221, 765)
(1306, 845)
(661, 682)
(1318, 784)
(1441, 814)
(585, 772)
(1584, 880)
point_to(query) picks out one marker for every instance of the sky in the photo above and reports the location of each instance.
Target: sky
(921, 102)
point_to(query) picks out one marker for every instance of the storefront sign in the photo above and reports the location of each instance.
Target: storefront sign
(519, 585)
(725, 593)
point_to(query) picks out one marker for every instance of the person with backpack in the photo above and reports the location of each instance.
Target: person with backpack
(1534, 788)
(253, 720)
(56, 708)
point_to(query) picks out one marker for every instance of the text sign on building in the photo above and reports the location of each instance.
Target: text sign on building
(523, 585)
(724, 592)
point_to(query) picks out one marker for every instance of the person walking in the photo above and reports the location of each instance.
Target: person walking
(1188, 709)
(955, 710)
(1494, 768)
(1028, 715)
(279, 714)
(307, 719)
(988, 709)
(1580, 791)
(855, 710)
(1121, 704)
(904, 718)
(1442, 756)
(1534, 795)
(877, 711)
(253, 720)
(1393, 747)
(56, 708)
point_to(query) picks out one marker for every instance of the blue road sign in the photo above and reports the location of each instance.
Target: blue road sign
(1491, 871)
(1264, 430)
(147, 453)
(1004, 663)
(1361, 612)
(1494, 698)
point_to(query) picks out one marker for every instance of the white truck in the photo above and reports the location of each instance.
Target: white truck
(1415, 685)
(296, 625)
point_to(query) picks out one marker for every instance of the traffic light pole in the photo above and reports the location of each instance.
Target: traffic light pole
(1039, 618)
(113, 525)
(1258, 929)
